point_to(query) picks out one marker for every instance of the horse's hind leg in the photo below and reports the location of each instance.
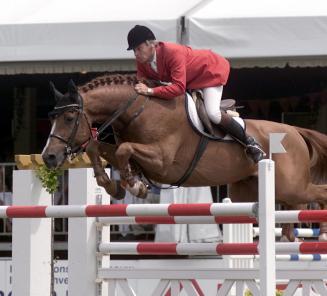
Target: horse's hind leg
(287, 232)
(245, 190)
(323, 226)
(318, 193)
(288, 228)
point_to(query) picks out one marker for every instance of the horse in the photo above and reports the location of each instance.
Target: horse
(154, 137)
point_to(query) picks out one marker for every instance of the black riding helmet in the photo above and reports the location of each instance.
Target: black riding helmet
(138, 35)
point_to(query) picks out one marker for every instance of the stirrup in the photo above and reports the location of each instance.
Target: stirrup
(256, 147)
(255, 152)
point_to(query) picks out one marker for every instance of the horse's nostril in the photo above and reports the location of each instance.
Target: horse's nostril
(51, 156)
(50, 160)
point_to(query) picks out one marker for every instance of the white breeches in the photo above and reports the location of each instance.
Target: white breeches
(212, 98)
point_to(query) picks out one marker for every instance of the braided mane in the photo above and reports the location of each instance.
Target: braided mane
(109, 79)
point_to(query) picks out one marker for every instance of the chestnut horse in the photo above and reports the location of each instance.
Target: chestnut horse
(154, 135)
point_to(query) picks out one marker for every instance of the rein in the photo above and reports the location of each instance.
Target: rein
(122, 109)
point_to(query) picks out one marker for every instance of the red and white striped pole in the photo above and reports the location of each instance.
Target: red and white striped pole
(225, 211)
(240, 213)
(207, 249)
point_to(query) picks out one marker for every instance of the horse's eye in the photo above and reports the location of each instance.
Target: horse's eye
(69, 118)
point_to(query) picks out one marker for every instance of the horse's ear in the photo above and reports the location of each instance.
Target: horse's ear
(57, 94)
(72, 88)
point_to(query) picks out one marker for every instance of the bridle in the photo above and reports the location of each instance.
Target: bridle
(70, 150)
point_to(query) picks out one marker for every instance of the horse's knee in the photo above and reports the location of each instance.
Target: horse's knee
(92, 148)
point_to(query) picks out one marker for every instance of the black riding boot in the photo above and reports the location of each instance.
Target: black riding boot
(236, 131)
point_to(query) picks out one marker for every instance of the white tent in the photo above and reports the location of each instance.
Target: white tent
(271, 32)
(56, 36)
(61, 30)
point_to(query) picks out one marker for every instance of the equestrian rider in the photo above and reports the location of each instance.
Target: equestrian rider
(187, 68)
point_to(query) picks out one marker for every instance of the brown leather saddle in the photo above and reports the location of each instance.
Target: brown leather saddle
(211, 130)
(226, 105)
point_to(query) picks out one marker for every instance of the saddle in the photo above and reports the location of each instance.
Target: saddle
(226, 105)
(197, 114)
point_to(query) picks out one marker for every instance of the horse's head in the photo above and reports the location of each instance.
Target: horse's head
(70, 127)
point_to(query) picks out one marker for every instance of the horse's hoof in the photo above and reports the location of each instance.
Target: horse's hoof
(298, 240)
(323, 237)
(284, 239)
(139, 189)
(143, 192)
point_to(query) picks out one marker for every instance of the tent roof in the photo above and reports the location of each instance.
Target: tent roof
(49, 30)
(53, 36)
(260, 28)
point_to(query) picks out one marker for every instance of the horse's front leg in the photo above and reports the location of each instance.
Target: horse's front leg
(145, 155)
(107, 152)
(112, 187)
(288, 228)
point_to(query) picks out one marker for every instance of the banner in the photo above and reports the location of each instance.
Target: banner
(60, 277)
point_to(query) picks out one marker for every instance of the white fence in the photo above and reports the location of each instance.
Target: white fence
(90, 274)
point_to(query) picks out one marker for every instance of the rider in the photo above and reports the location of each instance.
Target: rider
(187, 68)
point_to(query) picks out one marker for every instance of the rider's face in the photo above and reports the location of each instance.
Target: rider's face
(144, 52)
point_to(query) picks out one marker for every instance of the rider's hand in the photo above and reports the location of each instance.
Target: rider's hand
(143, 89)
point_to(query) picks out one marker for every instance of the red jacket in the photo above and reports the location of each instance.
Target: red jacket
(185, 68)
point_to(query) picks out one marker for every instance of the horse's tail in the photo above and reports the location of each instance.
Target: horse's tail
(317, 145)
